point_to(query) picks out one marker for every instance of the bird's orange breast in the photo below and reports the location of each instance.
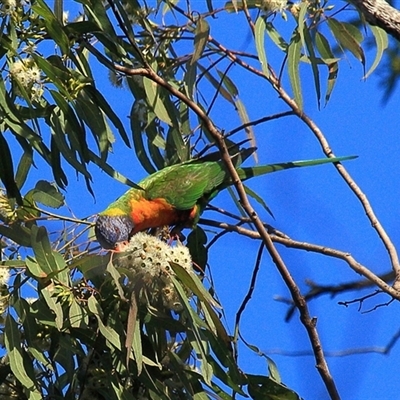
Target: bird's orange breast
(156, 213)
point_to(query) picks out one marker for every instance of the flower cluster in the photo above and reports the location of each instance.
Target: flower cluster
(150, 258)
(27, 73)
(7, 213)
(274, 6)
(7, 6)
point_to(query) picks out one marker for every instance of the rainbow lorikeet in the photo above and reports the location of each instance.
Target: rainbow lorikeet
(175, 195)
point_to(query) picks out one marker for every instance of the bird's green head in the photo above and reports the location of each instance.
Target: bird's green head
(111, 230)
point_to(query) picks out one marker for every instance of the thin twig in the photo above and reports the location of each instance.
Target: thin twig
(310, 247)
(247, 297)
(259, 121)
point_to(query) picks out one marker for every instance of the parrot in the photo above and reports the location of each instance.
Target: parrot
(174, 196)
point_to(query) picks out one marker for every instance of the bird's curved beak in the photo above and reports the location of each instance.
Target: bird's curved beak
(120, 246)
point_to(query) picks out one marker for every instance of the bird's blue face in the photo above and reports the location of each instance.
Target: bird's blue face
(111, 230)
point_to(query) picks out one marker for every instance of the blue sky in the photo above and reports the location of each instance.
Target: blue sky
(309, 204)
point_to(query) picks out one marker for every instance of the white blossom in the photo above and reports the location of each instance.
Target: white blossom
(149, 259)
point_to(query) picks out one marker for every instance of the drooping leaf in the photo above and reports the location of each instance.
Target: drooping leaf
(302, 26)
(91, 113)
(196, 244)
(137, 121)
(156, 101)
(7, 171)
(276, 36)
(262, 387)
(110, 334)
(24, 167)
(259, 36)
(228, 83)
(20, 364)
(57, 122)
(326, 53)
(244, 117)
(217, 84)
(294, 53)
(47, 194)
(381, 40)
(53, 25)
(346, 39)
(55, 306)
(17, 233)
(73, 129)
(109, 170)
(201, 33)
(313, 61)
(258, 198)
(43, 252)
(98, 99)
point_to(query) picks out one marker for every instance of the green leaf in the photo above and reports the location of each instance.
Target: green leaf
(71, 126)
(110, 334)
(52, 68)
(192, 282)
(7, 171)
(98, 99)
(54, 27)
(137, 121)
(381, 40)
(64, 353)
(217, 84)
(78, 316)
(43, 252)
(201, 34)
(96, 12)
(155, 101)
(354, 31)
(258, 198)
(346, 39)
(190, 79)
(18, 233)
(276, 37)
(91, 265)
(57, 122)
(302, 26)
(228, 83)
(259, 36)
(294, 53)
(24, 167)
(177, 149)
(94, 118)
(326, 53)
(262, 387)
(196, 244)
(109, 170)
(314, 62)
(47, 194)
(244, 117)
(20, 364)
(54, 306)
(133, 335)
(235, 5)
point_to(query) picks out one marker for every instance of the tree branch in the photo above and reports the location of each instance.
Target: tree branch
(327, 251)
(382, 14)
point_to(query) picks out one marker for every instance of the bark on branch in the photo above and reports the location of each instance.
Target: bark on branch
(382, 14)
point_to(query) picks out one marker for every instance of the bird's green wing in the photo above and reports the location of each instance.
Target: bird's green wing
(183, 184)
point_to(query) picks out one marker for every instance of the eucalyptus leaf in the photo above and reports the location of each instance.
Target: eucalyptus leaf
(259, 36)
(201, 34)
(294, 53)
(47, 194)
